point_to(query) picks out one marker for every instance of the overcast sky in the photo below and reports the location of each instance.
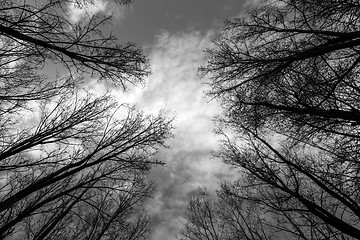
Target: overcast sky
(174, 33)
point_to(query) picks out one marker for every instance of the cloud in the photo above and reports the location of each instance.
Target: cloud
(175, 88)
(85, 11)
(78, 12)
(185, 172)
(249, 4)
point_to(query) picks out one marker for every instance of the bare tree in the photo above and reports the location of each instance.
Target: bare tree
(291, 60)
(39, 37)
(41, 32)
(287, 76)
(202, 219)
(72, 165)
(72, 152)
(227, 217)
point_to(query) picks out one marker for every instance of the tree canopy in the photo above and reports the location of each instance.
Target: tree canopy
(287, 76)
(72, 164)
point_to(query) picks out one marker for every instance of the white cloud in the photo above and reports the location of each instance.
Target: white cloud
(85, 11)
(175, 87)
(78, 12)
(248, 4)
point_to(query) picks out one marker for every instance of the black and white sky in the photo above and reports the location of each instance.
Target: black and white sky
(174, 34)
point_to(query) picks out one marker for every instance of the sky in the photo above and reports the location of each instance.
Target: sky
(175, 34)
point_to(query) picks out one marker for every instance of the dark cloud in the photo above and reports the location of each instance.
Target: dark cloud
(148, 18)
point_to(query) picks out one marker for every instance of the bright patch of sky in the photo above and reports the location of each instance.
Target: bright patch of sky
(174, 34)
(78, 12)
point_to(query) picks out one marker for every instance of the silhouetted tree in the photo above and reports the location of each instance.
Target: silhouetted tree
(287, 76)
(72, 165)
(227, 217)
(202, 219)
